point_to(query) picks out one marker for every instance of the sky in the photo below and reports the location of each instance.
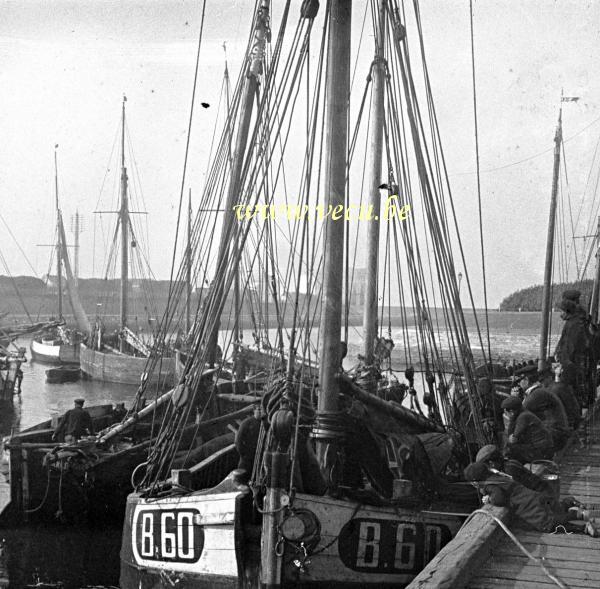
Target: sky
(65, 65)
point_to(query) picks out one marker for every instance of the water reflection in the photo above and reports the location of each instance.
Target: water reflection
(52, 554)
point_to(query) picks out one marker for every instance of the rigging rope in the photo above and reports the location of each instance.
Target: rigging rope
(485, 300)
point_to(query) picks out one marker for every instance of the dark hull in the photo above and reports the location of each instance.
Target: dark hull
(62, 374)
(88, 483)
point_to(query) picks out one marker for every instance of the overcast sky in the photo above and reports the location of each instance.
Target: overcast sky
(64, 67)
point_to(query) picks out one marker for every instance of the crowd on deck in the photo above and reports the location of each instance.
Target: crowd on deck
(539, 418)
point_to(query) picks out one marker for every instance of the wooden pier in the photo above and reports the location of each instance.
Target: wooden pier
(483, 556)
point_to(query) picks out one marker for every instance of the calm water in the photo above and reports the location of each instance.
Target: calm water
(76, 557)
(87, 557)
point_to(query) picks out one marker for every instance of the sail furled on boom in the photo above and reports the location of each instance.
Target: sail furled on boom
(83, 323)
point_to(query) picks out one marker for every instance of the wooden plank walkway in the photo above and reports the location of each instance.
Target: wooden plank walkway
(482, 556)
(572, 558)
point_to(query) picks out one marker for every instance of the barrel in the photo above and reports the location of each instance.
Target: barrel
(549, 472)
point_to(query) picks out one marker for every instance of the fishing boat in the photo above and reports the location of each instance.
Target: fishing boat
(57, 344)
(62, 374)
(338, 484)
(124, 358)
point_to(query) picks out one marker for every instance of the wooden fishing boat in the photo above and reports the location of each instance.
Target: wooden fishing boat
(54, 350)
(57, 344)
(63, 374)
(111, 365)
(337, 486)
(125, 359)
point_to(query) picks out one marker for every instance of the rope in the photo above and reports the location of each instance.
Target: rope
(485, 300)
(44, 499)
(516, 541)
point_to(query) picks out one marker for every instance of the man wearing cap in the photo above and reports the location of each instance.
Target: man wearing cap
(491, 456)
(74, 424)
(573, 345)
(528, 439)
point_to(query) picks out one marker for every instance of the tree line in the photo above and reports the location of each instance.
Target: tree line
(530, 299)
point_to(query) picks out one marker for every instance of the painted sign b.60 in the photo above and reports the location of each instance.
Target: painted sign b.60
(168, 535)
(388, 546)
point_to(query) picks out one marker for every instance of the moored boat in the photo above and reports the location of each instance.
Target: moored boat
(63, 374)
(336, 485)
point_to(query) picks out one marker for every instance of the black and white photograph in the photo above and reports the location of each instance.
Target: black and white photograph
(299, 294)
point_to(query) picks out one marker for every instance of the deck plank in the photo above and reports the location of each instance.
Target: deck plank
(572, 558)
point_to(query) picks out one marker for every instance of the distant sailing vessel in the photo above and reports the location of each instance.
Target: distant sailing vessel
(59, 345)
(124, 360)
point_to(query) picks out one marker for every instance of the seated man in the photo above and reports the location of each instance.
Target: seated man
(491, 457)
(549, 408)
(528, 438)
(530, 509)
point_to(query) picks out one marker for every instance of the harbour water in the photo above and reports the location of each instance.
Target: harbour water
(89, 557)
(74, 556)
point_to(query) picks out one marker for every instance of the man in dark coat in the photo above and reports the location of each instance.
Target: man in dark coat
(74, 424)
(549, 408)
(564, 391)
(528, 438)
(573, 345)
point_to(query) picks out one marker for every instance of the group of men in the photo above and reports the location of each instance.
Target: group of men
(539, 420)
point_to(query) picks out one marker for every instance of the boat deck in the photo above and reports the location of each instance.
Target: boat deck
(486, 557)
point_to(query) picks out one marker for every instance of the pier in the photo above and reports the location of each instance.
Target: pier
(483, 556)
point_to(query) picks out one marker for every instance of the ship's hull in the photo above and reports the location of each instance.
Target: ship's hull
(209, 540)
(52, 353)
(124, 369)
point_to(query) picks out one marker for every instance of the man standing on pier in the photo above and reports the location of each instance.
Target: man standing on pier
(74, 424)
(573, 346)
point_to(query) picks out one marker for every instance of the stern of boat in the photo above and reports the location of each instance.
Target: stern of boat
(196, 540)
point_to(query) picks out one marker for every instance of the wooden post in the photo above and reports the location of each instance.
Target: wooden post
(547, 292)
(375, 149)
(336, 149)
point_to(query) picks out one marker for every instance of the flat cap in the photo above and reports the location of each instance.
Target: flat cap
(511, 403)
(79, 401)
(476, 471)
(487, 452)
(571, 295)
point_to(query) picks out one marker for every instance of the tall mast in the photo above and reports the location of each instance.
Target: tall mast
(124, 221)
(546, 297)
(188, 267)
(596, 292)
(229, 231)
(76, 231)
(374, 181)
(336, 149)
(58, 242)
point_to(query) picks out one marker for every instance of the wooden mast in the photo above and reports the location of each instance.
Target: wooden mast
(58, 238)
(596, 292)
(375, 150)
(229, 231)
(124, 221)
(547, 292)
(188, 268)
(327, 430)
